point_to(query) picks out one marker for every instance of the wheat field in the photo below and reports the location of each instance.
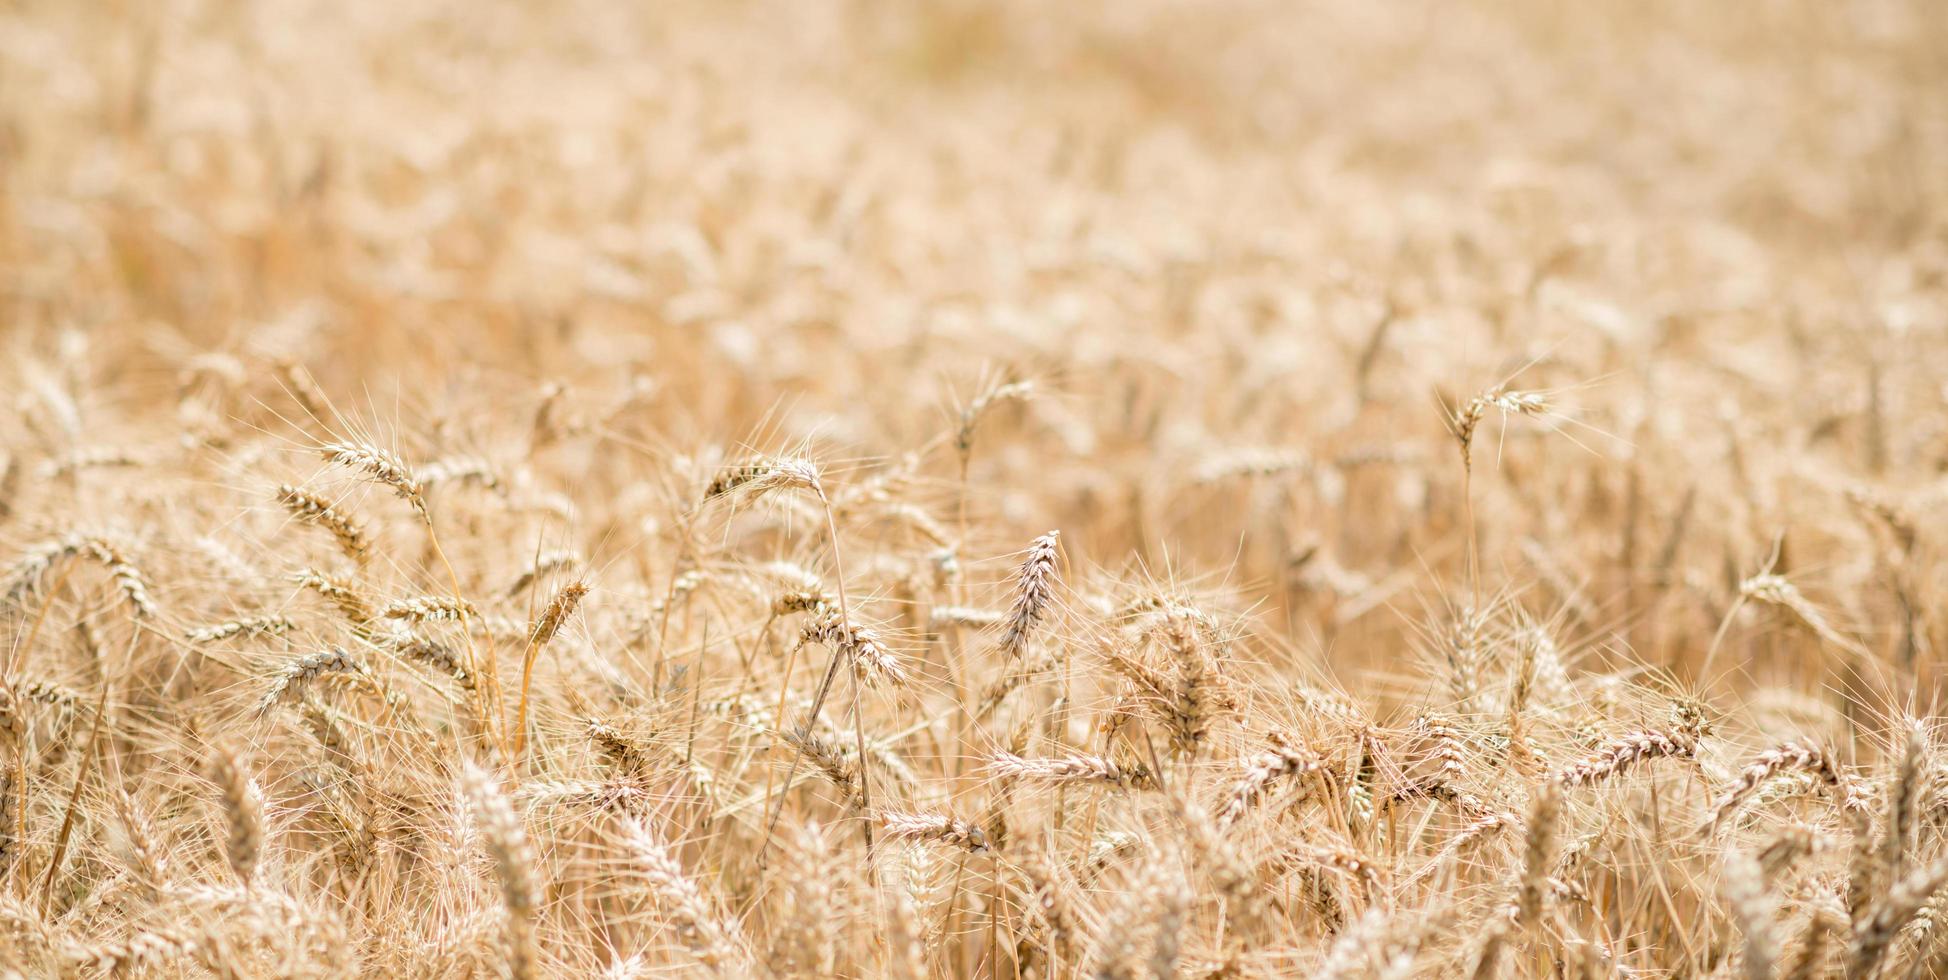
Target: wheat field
(973, 489)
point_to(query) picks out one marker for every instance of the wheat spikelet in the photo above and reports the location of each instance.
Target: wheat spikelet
(10, 804)
(9, 485)
(429, 608)
(559, 609)
(1626, 751)
(1745, 892)
(438, 656)
(1332, 707)
(1776, 590)
(1125, 924)
(595, 794)
(1887, 513)
(737, 475)
(1045, 898)
(790, 603)
(1865, 872)
(1071, 769)
(761, 475)
(506, 842)
(297, 675)
(1171, 898)
(1809, 961)
(1538, 854)
(342, 593)
(142, 850)
(801, 589)
(317, 511)
(1337, 859)
(1251, 462)
(681, 589)
(963, 617)
(632, 763)
(697, 927)
(934, 827)
(1874, 933)
(302, 388)
(1265, 768)
(1789, 757)
(1451, 755)
(150, 946)
(243, 810)
(1352, 952)
(1195, 700)
(129, 579)
(859, 645)
(1922, 936)
(1791, 844)
(1903, 795)
(1465, 419)
(788, 575)
(1463, 652)
(251, 626)
(92, 458)
(834, 761)
(27, 573)
(49, 693)
(905, 930)
(970, 417)
(629, 760)
(381, 466)
(460, 470)
(1032, 593)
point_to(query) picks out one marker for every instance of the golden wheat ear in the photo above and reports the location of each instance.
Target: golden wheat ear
(505, 838)
(1033, 590)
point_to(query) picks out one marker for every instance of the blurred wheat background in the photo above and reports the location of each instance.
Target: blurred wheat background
(973, 489)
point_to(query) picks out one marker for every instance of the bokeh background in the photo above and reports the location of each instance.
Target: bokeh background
(1209, 227)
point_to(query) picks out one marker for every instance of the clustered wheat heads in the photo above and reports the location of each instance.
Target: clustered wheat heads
(1139, 721)
(546, 493)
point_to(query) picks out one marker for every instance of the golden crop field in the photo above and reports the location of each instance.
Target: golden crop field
(973, 489)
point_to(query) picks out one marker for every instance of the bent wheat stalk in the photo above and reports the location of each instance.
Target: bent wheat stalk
(559, 609)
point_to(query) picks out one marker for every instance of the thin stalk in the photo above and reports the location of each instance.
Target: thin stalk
(82, 770)
(818, 705)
